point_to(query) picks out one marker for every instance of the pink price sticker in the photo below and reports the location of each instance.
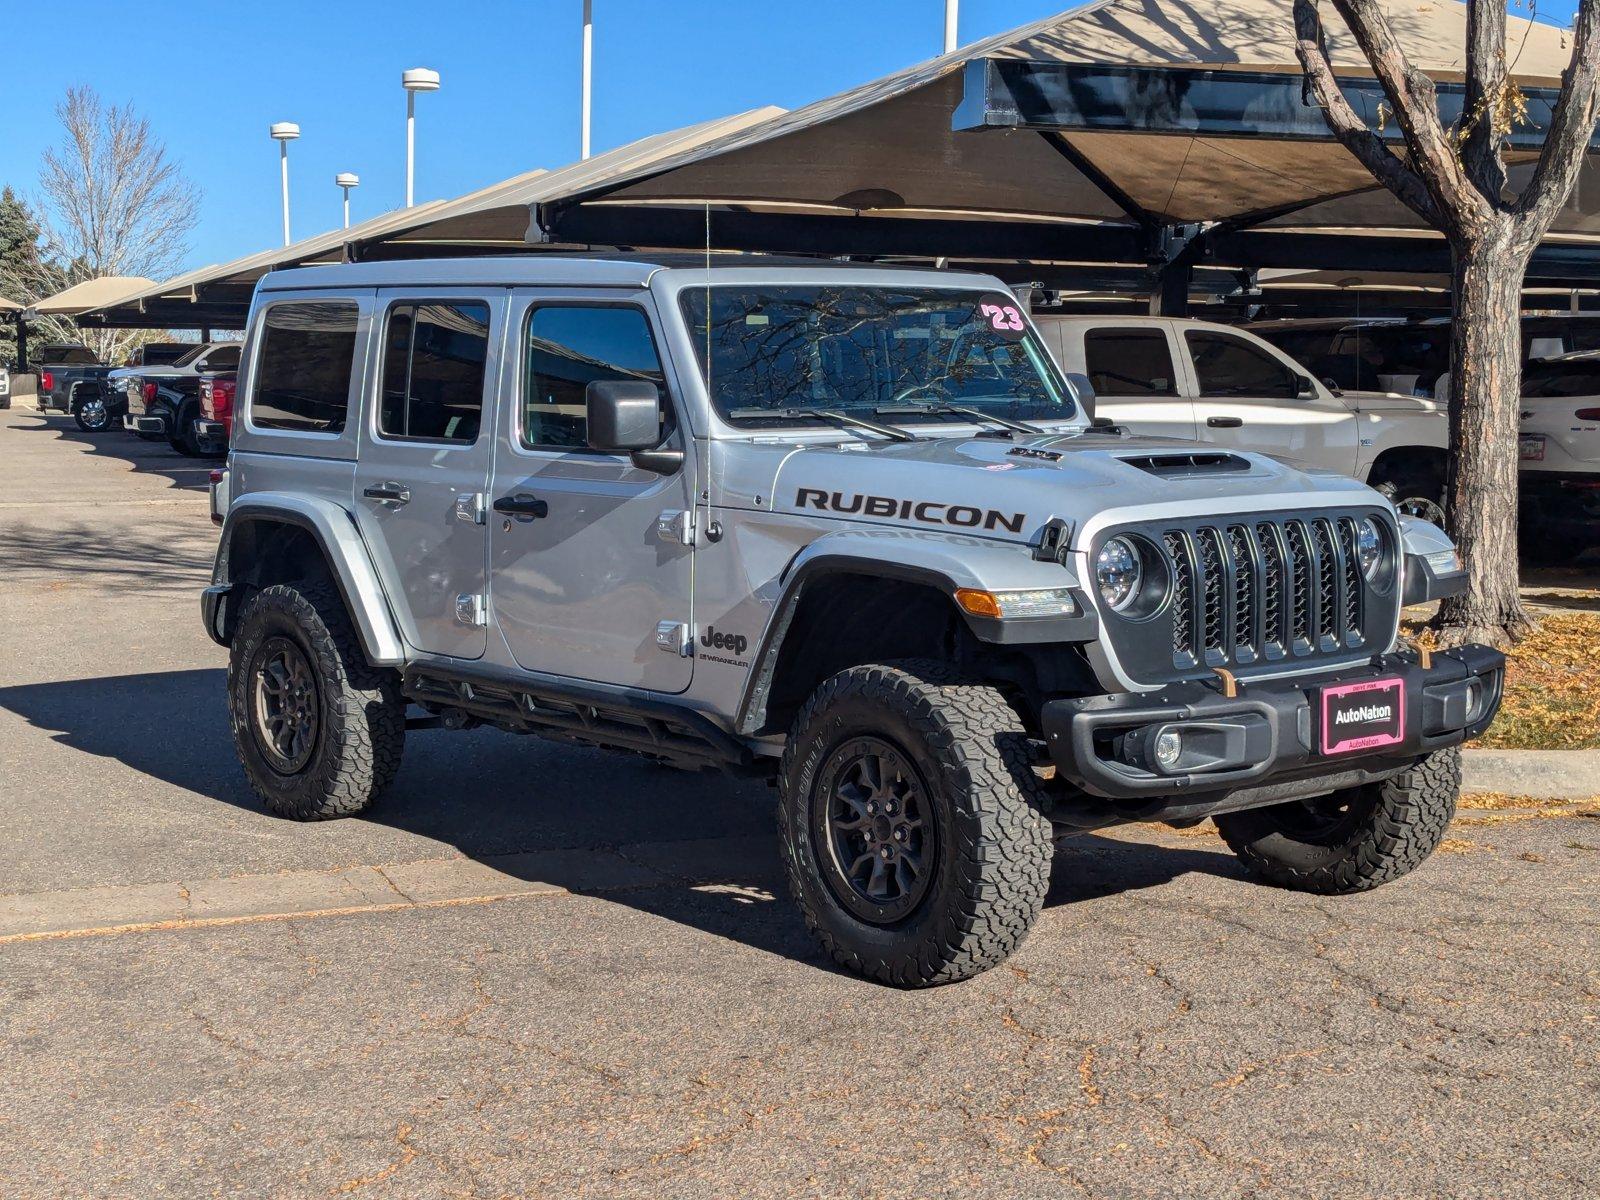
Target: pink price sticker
(1003, 315)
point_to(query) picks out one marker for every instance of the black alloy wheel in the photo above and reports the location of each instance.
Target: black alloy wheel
(871, 814)
(286, 706)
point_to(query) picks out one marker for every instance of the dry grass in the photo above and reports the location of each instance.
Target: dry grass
(1551, 701)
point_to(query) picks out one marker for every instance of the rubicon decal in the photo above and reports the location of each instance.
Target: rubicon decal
(929, 512)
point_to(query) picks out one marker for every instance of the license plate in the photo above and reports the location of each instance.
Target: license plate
(1530, 446)
(1363, 716)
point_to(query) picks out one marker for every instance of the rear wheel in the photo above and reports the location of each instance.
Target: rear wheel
(1351, 840)
(913, 831)
(318, 730)
(181, 435)
(92, 414)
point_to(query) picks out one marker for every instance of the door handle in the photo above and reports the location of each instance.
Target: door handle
(522, 505)
(1225, 422)
(389, 493)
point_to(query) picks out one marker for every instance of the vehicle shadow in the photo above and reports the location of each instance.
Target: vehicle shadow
(497, 798)
(147, 458)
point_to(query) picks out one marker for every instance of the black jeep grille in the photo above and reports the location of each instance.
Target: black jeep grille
(1259, 591)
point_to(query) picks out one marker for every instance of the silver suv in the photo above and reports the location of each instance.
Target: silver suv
(844, 528)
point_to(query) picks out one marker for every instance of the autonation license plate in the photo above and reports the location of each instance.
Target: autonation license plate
(1363, 716)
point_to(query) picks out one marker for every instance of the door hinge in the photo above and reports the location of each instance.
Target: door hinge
(472, 610)
(674, 637)
(472, 508)
(676, 525)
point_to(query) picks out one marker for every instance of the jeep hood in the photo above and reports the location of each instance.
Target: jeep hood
(1004, 488)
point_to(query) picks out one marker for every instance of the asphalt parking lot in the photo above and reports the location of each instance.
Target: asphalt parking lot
(541, 971)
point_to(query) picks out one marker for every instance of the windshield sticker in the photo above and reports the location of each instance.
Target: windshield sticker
(1003, 316)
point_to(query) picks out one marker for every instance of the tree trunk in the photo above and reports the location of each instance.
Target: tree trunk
(1485, 403)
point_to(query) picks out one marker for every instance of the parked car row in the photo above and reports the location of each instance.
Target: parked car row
(157, 396)
(1408, 361)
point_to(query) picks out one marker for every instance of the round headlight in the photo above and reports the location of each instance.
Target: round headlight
(1369, 547)
(1116, 572)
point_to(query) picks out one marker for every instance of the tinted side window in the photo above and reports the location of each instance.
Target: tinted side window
(571, 346)
(1230, 366)
(1553, 381)
(433, 365)
(303, 372)
(1129, 362)
(223, 358)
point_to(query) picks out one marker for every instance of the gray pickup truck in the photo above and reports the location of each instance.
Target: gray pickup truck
(844, 528)
(62, 366)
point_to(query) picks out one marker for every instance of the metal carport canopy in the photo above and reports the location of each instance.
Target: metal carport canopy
(1087, 137)
(491, 218)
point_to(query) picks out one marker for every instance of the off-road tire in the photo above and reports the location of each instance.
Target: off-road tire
(993, 849)
(1393, 826)
(361, 713)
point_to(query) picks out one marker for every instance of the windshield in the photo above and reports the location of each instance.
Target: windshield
(866, 351)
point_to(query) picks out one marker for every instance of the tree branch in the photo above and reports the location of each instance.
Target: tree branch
(1347, 124)
(1411, 94)
(1566, 142)
(1486, 86)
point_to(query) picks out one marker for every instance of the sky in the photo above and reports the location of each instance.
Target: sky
(212, 77)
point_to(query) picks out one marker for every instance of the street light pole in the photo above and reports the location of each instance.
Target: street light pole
(951, 11)
(284, 132)
(588, 74)
(345, 180)
(417, 79)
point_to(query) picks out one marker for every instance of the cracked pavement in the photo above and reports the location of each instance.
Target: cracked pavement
(542, 971)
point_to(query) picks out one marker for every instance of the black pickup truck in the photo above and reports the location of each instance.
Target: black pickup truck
(62, 366)
(164, 401)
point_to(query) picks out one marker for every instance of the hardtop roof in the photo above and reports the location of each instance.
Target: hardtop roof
(590, 270)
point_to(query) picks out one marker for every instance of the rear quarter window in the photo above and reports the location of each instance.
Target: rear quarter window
(303, 371)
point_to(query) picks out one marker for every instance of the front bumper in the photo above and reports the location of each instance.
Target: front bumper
(1267, 734)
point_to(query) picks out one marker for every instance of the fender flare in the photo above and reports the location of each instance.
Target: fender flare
(336, 535)
(943, 561)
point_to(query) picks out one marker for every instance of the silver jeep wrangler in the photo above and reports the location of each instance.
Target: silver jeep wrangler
(845, 528)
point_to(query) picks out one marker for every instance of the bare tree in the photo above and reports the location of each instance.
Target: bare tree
(1455, 179)
(112, 203)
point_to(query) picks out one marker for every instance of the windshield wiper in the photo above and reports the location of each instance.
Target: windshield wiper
(959, 410)
(842, 420)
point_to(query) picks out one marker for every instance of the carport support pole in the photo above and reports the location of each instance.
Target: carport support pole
(952, 9)
(22, 345)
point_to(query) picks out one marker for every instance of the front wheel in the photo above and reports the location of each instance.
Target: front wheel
(318, 729)
(913, 835)
(1414, 493)
(1351, 840)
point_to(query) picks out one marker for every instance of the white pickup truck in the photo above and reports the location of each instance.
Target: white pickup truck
(1213, 383)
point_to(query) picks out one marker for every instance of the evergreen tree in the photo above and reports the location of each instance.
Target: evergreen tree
(19, 256)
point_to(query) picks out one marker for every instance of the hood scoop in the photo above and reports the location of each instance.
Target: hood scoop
(1170, 464)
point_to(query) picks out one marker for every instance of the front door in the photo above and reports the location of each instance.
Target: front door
(423, 472)
(592, 576)
(1248, 398)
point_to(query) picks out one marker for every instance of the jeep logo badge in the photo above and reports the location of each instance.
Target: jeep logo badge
(735, 642)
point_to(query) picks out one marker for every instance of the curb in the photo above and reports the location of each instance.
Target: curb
(1547, 774)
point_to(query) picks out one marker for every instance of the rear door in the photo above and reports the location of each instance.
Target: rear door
(1135, 380)
(423, 470)
(1249, 397)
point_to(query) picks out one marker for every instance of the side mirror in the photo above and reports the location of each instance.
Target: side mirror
(1304, 385)
(1085, 392)
(624, 416)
